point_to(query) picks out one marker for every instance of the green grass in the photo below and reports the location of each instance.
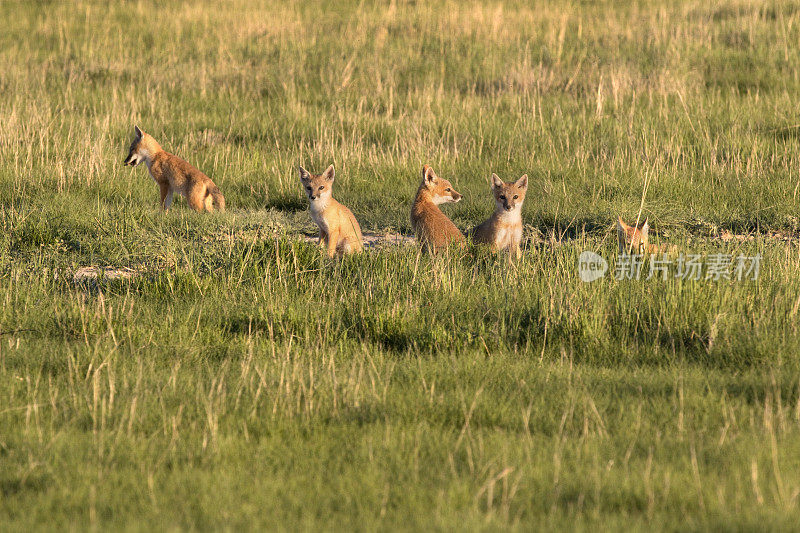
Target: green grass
(242, 381)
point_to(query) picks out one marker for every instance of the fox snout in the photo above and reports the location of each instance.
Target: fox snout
(456, 196)
(509, 204)
(506, 202)
(132, 160)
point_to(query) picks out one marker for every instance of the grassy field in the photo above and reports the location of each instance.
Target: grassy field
(242, 381)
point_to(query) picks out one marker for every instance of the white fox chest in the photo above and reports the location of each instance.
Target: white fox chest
(508, 236)
(318, 216)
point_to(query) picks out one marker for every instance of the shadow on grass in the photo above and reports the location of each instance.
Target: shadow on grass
(27, 483)
(286, 202)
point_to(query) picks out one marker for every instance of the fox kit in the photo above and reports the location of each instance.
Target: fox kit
(433, 229)
(174, 175)
(339, 231)
(503, 230)
(633, 239)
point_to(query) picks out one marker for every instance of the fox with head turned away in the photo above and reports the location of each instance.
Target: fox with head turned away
(433, 229)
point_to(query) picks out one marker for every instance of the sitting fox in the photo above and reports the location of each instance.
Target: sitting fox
(433, 229)
(503, 230)
(174, 175)
(339, 231)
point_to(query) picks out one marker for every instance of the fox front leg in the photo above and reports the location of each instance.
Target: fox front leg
(323, 238)
(332, 242)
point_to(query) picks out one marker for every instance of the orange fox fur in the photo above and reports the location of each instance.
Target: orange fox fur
(174, 175)
(339, 231)
(503, 230)
(433, 229)
(634, 239)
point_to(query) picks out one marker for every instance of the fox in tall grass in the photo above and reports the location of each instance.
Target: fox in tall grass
(634, 239)
(433, 229)
(503, 230)
(339, 231)
(174, 175)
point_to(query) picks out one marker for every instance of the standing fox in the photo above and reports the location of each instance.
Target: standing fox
(339, 231)
(174, 175)
(503, 230)
(433, 229)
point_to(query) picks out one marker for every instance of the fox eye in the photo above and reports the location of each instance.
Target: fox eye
(516, 196)
(308, 189)
(502, 196)
(448, 189)
(321, 187)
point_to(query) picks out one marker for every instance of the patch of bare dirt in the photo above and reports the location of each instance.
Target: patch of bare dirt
(95, 273)
(376, 240)
(727, 236)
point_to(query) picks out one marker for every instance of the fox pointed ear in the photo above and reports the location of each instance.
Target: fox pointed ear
(645, 226)
(304, 175)
(329, 173)
(428, 175)
(139, 133)
(621, 223)
(496, 181)
(522, 183)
